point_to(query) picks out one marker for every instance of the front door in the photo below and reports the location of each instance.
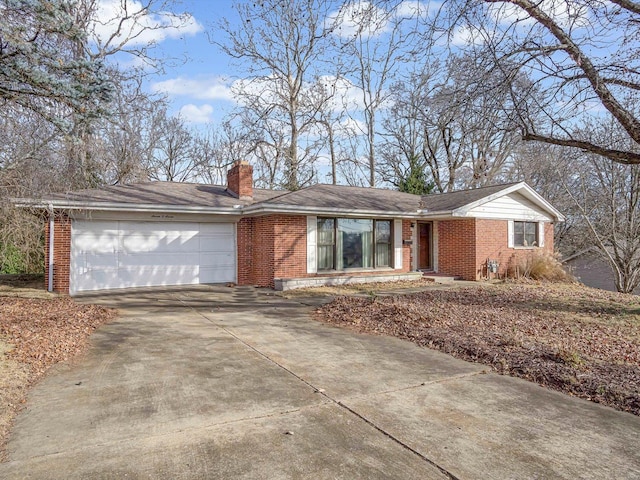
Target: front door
(424, 246)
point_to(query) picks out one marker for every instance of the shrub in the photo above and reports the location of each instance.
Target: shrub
(539, 265)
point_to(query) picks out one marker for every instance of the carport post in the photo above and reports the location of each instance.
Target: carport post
(51, 226)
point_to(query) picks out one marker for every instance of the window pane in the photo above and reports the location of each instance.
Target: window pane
(383, 255)
(325, 257)
(325, 231)
(326, 236)
(355, 243)
(383, 231)
(383, 243)
(525, 234)
(530, 233)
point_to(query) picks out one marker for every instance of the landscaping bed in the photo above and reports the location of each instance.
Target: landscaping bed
(578, 340)
(35, 334)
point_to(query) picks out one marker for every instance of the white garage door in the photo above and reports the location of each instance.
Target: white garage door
(113, 254)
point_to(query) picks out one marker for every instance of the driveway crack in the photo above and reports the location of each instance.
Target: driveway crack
(332, 400)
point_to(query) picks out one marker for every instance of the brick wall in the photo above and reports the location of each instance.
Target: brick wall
(493, 244)
(244, 239)
(262, 259)
(290, 249)
(465, 245)
(407, 251)
(61, 253)
(456, 248)
(240, 179)
(278, 249)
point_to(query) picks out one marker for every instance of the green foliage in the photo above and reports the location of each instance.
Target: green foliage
(45, 66)
(12, 260)
(416, 181)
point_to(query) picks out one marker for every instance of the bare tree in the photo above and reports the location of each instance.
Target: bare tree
(173, 156)
(582, 57)
(280, 45)
(600, 199)
(443, 124)
(378, 40)
(607, 195)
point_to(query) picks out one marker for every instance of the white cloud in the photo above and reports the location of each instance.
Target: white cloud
(415, 9)
(359, 18)
(464, 36)
(202, 88)
(141, 27)
(562, 12)
(196, 114)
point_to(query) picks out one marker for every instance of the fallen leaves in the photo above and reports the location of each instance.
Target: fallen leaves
(581, 341)
(47, 331)
(38, 333)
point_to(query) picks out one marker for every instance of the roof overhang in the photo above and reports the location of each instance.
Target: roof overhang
(523, 189)
(267, 208)
(45, 204)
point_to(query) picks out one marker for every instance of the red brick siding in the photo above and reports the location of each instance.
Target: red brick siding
(279, 250)
(407, 251)
(61, 253)
(244, 239)
(263, 252)
(240, 179)
(456, 248)
(492, 243)
(548, 237)
(290, 249)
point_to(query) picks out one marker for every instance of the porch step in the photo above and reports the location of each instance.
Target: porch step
(438, 278)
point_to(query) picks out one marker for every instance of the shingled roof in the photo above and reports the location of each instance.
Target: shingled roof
(162, 193)
(315, 199)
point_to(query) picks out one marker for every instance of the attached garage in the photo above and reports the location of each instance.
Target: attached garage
(107, 254)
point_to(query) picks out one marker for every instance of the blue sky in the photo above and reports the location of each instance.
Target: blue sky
(197, 85)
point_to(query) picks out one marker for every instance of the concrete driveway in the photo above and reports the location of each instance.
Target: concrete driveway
(215, 382)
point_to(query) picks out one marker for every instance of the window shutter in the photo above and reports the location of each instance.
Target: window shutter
(397, 244)
(312, 244)
(541, 234)
(510, 233)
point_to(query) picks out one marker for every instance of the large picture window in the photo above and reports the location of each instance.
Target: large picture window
(525, 234)
(346, 243)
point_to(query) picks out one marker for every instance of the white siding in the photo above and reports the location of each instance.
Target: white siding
(312, 244)
(511, 207)
(397, 244)
(510, 241)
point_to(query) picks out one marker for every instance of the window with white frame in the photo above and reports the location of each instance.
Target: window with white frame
(350, 243)
(525, 234)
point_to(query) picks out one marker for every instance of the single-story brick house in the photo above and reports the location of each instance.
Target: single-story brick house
(163, 233)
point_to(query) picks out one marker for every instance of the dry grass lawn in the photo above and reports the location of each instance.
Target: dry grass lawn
(578, 340)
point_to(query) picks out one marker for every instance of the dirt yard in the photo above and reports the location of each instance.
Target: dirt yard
(581, 341)
(37, 330)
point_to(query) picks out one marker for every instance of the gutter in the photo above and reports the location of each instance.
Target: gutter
(266, 208)
(123, 207)
(256, 209)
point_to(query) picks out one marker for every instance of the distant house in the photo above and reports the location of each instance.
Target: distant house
(163, 233)
(590, 268)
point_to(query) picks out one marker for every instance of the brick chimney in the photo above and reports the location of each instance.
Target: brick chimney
(240, 180)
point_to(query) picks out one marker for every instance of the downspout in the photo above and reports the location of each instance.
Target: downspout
(51, 228)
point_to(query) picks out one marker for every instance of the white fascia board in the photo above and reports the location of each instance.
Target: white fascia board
(123, 207)
(521, 188)
(266, 209)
